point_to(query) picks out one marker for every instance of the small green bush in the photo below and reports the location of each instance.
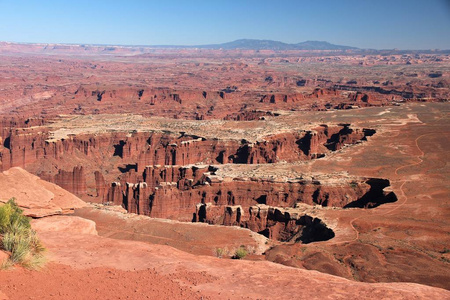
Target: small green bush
(240, 253)
(11, 216)
(18, 238)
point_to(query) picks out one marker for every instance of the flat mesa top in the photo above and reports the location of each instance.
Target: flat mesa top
(209, 129)
(252, 131)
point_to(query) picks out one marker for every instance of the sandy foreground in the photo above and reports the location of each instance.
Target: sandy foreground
(83, 265)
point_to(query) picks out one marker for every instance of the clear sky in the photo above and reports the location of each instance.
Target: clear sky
(378, 24)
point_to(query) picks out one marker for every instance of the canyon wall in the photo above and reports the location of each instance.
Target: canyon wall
(23, 146)
(170, 174)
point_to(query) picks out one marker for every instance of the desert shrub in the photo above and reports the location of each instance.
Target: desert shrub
(240, 253)
(11, 215)
(18, 238)
(219, 252)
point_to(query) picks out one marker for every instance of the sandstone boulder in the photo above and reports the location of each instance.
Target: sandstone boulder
(72, 224)
(38, 198)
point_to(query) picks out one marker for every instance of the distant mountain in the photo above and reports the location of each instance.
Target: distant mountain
(249, 44)
(321, 45)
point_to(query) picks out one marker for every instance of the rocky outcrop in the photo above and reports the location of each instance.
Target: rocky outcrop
(153, 173)
(36, 197)
(73, 224)
(250, 115)
(277, 98)
(73, 181)
(287, 225)
(283, 224)
(148, 95)
(100, 185)
(302, 145)
(171, 150)
(77, 161)
(196, 193)
(26, 146)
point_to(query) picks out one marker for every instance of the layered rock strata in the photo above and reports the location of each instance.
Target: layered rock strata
(169, 174)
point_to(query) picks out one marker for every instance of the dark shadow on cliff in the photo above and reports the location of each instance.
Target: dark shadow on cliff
(376, 196)
(127, 168)
(315, 230)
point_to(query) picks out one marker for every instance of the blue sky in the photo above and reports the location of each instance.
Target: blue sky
(378, 24)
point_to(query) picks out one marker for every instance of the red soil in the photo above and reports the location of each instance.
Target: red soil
(88, 266)
(58, 281)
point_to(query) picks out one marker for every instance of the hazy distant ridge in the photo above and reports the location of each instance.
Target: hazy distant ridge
(244, 44)
(249, 44)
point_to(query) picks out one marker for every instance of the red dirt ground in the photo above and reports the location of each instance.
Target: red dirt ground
(86, 266)
(58, 281)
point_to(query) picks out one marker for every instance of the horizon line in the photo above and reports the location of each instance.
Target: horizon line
(217, 44)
